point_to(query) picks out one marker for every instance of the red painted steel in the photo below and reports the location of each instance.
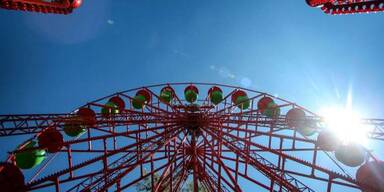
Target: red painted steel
(215, 146)
(341, 7)
(42, 6)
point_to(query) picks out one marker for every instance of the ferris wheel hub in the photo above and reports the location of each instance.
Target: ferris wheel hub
(193, 122)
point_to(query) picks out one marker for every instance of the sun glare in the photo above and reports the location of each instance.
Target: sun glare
(346, 124)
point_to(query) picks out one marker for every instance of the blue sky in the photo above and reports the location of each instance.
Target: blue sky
(54, 63)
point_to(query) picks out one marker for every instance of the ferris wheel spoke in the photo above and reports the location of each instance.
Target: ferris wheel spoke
(95, 174)
(91, 182)
(150, 173)
(237, 187)
(69, 179)
(103, 137)
(181, 179)
(332, 174)
(127, 117)
(253, 133)
(144, 176)
(170, 162)
(291, 172)
(216, 174)
(215, 181)
(207, 180)
(140, 178)
(253, 119)
(179, 172)
(174, 173)
(274, 176)
(28, 124)
(35, 123)
(69, 151)
(117, 165)
(113, 180)
(178, 100)
(94, 160)
(244, 175)
(376, 128)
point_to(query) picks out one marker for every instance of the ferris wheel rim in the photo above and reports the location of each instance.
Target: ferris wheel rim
(204, 84)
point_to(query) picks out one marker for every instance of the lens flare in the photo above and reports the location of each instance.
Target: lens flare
(346, 124)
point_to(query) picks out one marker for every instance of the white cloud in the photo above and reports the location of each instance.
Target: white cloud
(245, 82)
(226, 73)
(110, 21)
(179, 52)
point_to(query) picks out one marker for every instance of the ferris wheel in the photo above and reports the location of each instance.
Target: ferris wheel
(218, 137)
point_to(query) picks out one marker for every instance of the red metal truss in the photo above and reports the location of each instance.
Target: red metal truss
(338, 7)
(214, 147)
(43, 6)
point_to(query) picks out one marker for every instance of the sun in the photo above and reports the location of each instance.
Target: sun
(346, 124)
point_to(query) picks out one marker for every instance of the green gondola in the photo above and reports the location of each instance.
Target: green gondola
(30, 159)
(138, 102)
(190, 96)
(216, 97)
(74, 127)
(166, 96)
(272, 110)
(243, 102)
(110, 108)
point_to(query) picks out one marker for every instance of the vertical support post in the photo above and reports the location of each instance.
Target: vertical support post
(114, 137)
(329, 187)
(294, 139)
(152, 175)
(272, 185)
(194, 163)
(57, 184)
(171, 179)
(314, 160)
(70, 161)
(89, 141)
(105, 161)
(280, 150)
(118, 188)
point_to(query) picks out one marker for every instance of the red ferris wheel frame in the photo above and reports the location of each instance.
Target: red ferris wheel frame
(47, 6)
(219, 146)
(344, 7)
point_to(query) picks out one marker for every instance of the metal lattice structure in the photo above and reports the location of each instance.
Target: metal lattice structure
(219, 145)
(42, 6)
(341, 7)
